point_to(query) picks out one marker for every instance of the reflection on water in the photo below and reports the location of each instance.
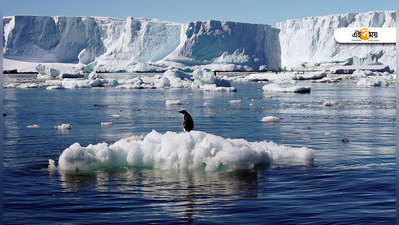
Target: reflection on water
(180, 193)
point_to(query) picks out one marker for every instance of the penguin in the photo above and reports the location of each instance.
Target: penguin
(188, 123)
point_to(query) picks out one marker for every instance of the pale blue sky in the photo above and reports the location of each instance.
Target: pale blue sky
(251, 11)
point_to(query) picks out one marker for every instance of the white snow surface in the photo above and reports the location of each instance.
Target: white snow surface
(181, 151)
(273, 87)
(201, 79)
(268, 119)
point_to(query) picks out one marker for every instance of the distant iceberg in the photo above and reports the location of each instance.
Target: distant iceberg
(310, 40)
(134, 44)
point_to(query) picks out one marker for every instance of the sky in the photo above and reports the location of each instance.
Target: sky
(249, 11)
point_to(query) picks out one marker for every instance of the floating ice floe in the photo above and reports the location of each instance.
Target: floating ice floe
(33, 126)
(328, 80)
(115, 116)
(135, 83)
(377, 81)
(285, 89)
(46, 73)
(64, 126)
(268, 119)
(28, 85)
(310, 76)
(281, 77)
(172, 102)
(51, 164)
(193, 150)
(173, 79)
(235, 101)
(54, 87)
(105, 124)
(94, 76)
(330, 103)
(207, 81)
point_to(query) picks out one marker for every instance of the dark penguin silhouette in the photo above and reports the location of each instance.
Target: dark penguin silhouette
(188, 123)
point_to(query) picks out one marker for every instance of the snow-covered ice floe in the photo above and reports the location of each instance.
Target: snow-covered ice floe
(374, 79)
(176, 151)
(172, 102)
(173, 78)
(268, 119)
(285, 89)
(64, 126)
(281, 77)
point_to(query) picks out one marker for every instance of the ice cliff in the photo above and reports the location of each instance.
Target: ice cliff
(311, 40)
(152, 45)
(132, 42)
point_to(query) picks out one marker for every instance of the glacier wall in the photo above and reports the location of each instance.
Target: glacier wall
(145, 43)
(311, 39)
(50, 39)
(131, 41)
(253, 45)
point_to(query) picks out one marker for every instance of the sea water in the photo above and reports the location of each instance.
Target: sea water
(350, 181)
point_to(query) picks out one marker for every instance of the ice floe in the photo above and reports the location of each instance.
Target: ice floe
(268, 119)
(193, 150)
(64, 126)
(285, 89)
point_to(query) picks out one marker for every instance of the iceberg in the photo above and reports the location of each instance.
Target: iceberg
(310, 40)
(138, 44)
(182, 151)
(135, 44)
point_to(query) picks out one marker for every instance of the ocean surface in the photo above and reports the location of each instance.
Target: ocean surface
(352, 179)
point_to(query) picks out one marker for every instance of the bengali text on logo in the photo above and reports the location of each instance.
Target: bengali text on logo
(376, 35)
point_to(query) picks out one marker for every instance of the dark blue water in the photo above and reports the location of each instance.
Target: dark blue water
(349, 183)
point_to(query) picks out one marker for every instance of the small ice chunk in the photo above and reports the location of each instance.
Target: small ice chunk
(278, 88)
(93, 76)
(33, 126)
(330, 103)
(64, 126)
(51, 164)
(104, 124)
(172, 102)
(115, 116)
(235, 101)
(54, 87)
(28, 85)
(268, 119)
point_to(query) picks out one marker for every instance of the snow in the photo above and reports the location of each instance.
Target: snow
(285, 89)
(330, 103)
(235, 101)
(376, 81)
(206, 80)
(46, 73)
(268, 119)
(64, 126)
(310, 76)
(177, 151)
(311, 40)
(105, 124)
(172, 102)
(137, 44)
